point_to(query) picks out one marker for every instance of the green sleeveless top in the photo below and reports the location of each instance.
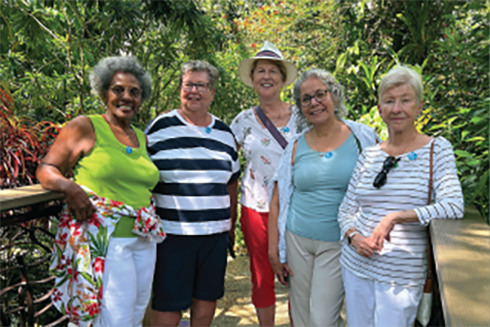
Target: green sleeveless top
(115, 171)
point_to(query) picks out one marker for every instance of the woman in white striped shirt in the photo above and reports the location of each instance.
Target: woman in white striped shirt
(384, 212)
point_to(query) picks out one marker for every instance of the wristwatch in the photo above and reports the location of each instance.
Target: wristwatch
(351, 235)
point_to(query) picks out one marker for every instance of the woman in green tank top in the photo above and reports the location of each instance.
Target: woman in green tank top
(108, 157)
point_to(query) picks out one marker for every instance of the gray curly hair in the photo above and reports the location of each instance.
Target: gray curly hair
(102, 73)
(335, 89)
(200, 66)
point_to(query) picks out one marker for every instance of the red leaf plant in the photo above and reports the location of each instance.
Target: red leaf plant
(24, 142)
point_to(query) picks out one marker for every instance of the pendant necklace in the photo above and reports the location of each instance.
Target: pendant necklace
(129, 149)
(328, 154)
(412, 155)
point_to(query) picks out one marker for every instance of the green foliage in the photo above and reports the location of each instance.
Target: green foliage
(446, 41)
(456, 75)
(47, 49)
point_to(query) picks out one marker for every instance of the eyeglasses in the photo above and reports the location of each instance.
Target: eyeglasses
(133, 91)
(389, 164)
(200, 87)
(319, 95)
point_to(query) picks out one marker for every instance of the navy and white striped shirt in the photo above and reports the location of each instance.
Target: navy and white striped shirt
(403, 260)
(196, 164)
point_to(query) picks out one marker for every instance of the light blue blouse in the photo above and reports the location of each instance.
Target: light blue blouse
(320, 182)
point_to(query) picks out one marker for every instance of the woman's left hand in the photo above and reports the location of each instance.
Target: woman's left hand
(383, 230)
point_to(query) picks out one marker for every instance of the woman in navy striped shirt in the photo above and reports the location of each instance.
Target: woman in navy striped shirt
(196, 199)
(384, 212)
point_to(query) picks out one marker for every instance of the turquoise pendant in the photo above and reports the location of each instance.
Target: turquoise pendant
(129, 149)
(328, 155)
(208, 129)
(286, 129)
(412, 156)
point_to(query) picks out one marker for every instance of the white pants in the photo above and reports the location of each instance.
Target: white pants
(370, 303)
(128, 276)
(316, 288)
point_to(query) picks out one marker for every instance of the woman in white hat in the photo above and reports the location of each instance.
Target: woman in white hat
(262, 132)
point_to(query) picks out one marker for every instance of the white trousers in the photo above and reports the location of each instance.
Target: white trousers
(128, 276)
(370, 303)
(316, 289)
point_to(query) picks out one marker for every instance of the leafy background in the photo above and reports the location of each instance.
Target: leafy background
(47, 48)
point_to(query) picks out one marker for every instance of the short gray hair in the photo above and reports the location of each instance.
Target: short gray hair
(400, 75)
(335, 89)
(200, 66)
(101, 76)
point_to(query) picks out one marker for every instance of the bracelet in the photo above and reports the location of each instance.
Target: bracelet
(351, 235)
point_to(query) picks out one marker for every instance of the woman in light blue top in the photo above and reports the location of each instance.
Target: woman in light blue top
(310, 183)
(320, 184)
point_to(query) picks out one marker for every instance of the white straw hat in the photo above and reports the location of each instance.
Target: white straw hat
(269, 52)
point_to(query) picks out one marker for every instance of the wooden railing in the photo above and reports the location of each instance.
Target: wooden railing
(461, 251)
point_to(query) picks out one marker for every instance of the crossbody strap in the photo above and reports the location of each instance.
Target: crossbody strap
(271, 128)
(428, 284)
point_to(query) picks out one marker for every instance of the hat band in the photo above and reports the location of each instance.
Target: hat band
(267, 53)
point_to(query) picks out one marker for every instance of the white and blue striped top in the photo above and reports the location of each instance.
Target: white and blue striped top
(403, 260)
(195, 164)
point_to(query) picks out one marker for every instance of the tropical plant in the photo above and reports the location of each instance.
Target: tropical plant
(24, 143)
(47, 48)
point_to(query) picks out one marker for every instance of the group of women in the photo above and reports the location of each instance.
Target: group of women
(326, 207)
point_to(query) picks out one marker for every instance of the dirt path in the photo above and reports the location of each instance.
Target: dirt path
(236, 308)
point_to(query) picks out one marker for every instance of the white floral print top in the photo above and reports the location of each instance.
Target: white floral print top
(262, 153)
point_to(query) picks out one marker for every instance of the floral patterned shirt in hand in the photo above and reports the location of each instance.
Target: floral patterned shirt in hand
(79, 252)
(262, 153)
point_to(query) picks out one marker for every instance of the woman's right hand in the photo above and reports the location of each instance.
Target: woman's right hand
(78, 202)
(364, 246)
(281, 270)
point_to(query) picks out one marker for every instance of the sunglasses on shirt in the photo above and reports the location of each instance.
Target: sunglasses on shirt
(381, 178)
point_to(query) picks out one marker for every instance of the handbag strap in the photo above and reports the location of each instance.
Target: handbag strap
(429, 199)
(271, 128)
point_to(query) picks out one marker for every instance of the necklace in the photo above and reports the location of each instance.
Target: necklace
(132, 132)
(278, 119)
(329, 154)
(129, 149)
(204, 121)
(412, 155)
